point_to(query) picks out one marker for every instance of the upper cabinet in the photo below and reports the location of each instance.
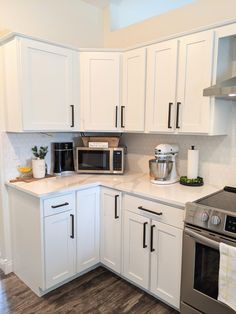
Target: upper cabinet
(178, 71)
(41, 86)
(100, 91)
(133, 90)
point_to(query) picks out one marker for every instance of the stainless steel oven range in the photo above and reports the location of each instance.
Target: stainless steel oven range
(208, 222)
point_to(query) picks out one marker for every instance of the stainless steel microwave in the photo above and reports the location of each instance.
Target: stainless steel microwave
(100, 160)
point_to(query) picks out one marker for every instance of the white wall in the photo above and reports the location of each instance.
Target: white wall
(72, 22)
(198, 14)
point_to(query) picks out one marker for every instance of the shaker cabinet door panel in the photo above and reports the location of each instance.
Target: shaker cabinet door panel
(136, 256)
(134, 90)
(100, 91)
(111, 229)
(48, 94)
(195, 74)
(87, 228)
(161, 86)
(166, 263)
(59, 248)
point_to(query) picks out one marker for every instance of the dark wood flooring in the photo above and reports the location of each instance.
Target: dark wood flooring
(99, 291)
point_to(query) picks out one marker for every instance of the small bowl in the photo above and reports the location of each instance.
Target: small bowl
(24, 170)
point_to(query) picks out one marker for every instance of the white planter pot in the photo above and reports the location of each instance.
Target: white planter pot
(38, 168)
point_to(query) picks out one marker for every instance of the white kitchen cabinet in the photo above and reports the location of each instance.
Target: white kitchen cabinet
(41, 86)
(177, 72)
(88, 222)
(100, 91)
(166, 262)
(161, 86)
(60, 248)
(136, 254)
(152, 247)
(111, 217)
(194, 74)
(134, 90)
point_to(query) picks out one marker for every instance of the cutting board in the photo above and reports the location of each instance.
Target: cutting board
(30, 179)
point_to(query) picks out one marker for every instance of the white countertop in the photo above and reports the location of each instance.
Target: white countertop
(136, 183)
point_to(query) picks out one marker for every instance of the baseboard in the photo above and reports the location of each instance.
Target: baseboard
(6, 266)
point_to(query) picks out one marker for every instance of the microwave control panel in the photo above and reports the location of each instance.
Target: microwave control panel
(230, 224)
(117, 160)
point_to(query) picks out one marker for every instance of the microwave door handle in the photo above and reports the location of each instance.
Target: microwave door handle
(202, 239)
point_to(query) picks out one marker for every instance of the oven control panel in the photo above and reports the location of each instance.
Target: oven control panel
(230, 224)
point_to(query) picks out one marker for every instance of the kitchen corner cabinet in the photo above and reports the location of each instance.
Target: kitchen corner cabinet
(41, 86)
(133, 90)
(88, 228)
(100, 91)
(111, 217)
(152, 247)
(178, 70)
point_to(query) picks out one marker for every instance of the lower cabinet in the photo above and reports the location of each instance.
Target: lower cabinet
(59, 247)
(135, 248)
(111, 229)
(88, 222)
(152, 250)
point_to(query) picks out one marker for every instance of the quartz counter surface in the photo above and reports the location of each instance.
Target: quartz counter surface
(135, 183)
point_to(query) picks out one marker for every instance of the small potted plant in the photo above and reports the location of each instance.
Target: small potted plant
(38, 163)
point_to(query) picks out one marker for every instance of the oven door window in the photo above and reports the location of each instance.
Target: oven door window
(94, 160)
(206, 272)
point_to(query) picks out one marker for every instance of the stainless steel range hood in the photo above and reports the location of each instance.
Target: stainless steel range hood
(224, 90)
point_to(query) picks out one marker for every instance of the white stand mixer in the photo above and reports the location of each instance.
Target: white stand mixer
(163, 167)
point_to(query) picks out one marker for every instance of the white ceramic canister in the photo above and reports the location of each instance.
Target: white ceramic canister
(38, 168)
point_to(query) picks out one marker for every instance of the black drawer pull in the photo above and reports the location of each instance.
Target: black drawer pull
(116, 198)
(116, 117)
(150, 211)
(122, 116)
(151, 239)
(60, 205)
(144, 234)
(72, 226)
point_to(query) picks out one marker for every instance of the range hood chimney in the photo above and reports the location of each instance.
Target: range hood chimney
(223, 90)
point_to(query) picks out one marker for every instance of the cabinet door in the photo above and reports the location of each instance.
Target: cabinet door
(59, 247)
(87, 228)
(111, 229)
(161, 86)
(166, 263)
(134, 86)
(48, 95)
(100, 91)
(194, 74)
(136, 248)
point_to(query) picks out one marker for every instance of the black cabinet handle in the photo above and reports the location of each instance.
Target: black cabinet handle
(122, 116)
(116, 198)
(72, 226)
(72, 116)
(144, 234)
(60, 205)
(177, 116)
(151, 239)
(150, 211)
(116, 123)
(169, 115)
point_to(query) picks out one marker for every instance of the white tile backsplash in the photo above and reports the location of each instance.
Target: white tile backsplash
(17, 149)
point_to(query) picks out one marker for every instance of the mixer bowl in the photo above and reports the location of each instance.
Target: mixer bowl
(160, 169)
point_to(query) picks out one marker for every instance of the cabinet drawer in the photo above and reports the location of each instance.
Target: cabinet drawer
(154, 210)
(59, 204)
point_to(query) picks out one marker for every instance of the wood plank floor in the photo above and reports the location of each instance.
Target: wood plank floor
(99, 291)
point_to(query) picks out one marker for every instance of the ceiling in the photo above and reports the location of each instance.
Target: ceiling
(98, 3)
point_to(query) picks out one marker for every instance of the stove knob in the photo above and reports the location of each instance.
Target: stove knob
(215, 220)
(204, 217)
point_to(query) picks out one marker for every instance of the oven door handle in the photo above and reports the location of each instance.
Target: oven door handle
(205, 240)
